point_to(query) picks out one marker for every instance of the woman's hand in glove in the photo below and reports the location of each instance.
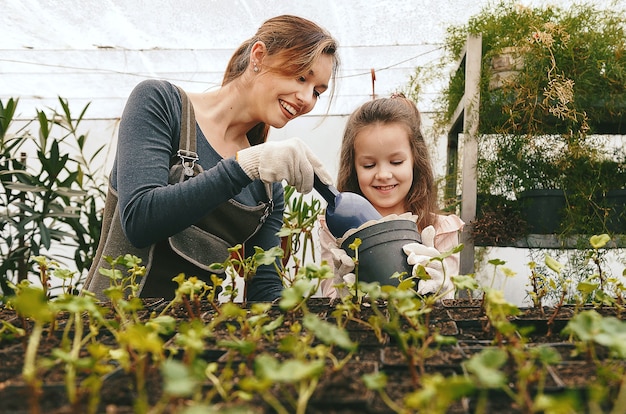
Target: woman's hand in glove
(422, 254)
(290, 160)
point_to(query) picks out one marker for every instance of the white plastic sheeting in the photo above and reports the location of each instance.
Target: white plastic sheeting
(97, 50)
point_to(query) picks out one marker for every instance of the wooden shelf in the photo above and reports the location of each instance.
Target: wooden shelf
(462, 146)
(554, 241)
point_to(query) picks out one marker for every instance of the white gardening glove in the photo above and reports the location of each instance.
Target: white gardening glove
(421, 254)
(343, 266)
(291, 160)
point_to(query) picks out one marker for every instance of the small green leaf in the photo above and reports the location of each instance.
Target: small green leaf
(585, 325)
(486, 367)
(465, 282)
(553, 264)
(328, 333)
(599, 241)
(496, 262)
(375, 381)
(586, 287)
(178, 380)
(290, 371)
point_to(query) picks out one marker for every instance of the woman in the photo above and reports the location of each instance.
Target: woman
(181, 223)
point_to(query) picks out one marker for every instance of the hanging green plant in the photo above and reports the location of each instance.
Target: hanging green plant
(546, 69)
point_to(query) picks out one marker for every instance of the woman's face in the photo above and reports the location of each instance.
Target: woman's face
(287, 97)
(384, 166)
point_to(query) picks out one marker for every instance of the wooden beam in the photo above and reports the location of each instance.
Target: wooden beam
(471, 107)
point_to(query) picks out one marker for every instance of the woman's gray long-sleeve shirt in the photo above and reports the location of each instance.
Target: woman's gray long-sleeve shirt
(151, 210)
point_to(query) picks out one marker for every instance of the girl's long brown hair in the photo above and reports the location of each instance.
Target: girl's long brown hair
(422, 197)
(297, 42)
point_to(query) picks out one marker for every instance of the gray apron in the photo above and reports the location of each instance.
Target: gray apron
(190, 251)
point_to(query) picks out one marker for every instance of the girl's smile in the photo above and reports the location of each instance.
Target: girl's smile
(384, 166)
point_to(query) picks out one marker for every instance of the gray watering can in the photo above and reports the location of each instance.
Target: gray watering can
(345, 211)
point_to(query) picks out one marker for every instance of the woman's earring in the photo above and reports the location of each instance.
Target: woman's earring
(256, 68)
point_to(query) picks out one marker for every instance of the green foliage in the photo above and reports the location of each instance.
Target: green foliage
(49, 200)
(309, 346)
(592, 329)
(570, 61)
(299, 221)
(551, 77)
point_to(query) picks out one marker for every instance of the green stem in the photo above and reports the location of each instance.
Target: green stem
(141, 403)
(274, 403)
(389, 402)
(29, 371)
(620, 402)
(306, 391)
(70, 375)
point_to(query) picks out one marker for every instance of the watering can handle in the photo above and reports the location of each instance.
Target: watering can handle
(327, 191)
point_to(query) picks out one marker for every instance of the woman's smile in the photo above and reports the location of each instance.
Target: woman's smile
(288, 108)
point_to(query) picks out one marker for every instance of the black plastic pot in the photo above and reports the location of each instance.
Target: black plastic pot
(543, 210)
(380, 252)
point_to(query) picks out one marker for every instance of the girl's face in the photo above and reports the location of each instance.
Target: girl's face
(286, 97)
(384, 166)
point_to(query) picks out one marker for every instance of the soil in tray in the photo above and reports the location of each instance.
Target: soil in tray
(117, 390)
(441, 327)
(465, 313)
(345, 388)
(7, 315)
(446, 359)
(461, 303)
(367, 338)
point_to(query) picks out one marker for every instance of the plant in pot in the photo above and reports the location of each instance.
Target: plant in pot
(593, 179)
(612, 195)
(550, 78)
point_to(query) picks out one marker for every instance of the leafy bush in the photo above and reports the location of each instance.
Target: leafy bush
(50, 201)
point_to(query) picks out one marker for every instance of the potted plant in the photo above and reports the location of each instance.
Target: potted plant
(612, 199)
(551, 77)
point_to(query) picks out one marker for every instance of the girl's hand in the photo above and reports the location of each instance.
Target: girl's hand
(427, 256)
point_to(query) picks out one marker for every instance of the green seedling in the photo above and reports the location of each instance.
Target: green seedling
(32, 303)
(296, 233)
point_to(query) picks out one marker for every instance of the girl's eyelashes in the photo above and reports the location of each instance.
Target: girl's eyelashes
(367, 166)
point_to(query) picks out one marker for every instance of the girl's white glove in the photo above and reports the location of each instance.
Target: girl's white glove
(290, 160)
(343, 266)
(422, 254)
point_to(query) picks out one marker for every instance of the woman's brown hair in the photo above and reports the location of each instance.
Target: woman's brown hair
(297, 42)
(422, 197)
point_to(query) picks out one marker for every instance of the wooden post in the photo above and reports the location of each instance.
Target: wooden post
(470, 148)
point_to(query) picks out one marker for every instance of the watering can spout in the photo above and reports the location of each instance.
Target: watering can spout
(345, 211)
(327, 191)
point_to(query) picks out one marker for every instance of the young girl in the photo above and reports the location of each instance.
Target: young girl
(385, 159)
(231, 190)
